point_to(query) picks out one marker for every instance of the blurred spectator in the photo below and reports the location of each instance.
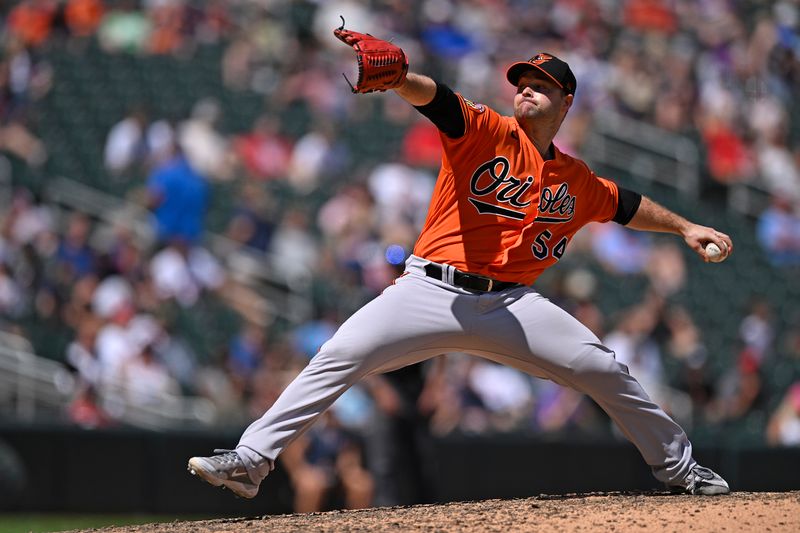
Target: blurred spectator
(728, 157)
(166, 21)
(181, 361)
(739, 391)
(784, 424)
(16, 138)
(264, 152)
(76, 258)
(126, 145)
(294, 250)
(316, 156)
(560, 409)
(322, 460)
(83, 16)
(32, 20)
(214, 21)
(246, 351)
(574, 291)
(23, 81)
(685, 345)
(82, 354)
(24, 78)
(421, 145)
(11, 295)
(666, 268)
(205, 148)
(145, 380)
(778, 232)
(620, 250)
(28, 219)
(124, 254)
(631, 81)
(113, 302)
(178, 195)
(258, 50)
(253, 220)
(347, 216)
(401, 192)
(279, 366)
(504, 393)
(124, 29)
(634, 345)
(183, 272)
(309, 337)
(77, 308)
(397, 436)
(778, 166)
(757, 331)
(85, 410)
(650, 16)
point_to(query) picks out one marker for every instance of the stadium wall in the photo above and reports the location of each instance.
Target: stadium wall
(55, 469)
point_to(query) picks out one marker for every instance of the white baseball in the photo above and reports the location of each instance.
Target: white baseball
(714, 254)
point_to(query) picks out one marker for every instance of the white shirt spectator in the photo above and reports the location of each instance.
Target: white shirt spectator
(779, 170)
(115, 347)
(147, 381)
(110, 295)
(307, 160)
(184, 277)
(85, 362)
(205, 148)
(401, 192)
(501, 389)
(124, 145)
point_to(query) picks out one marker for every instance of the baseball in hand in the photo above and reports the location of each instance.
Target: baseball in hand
(714, 254)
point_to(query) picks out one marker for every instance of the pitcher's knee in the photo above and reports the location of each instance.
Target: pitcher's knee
(598, 359)
(338, 356)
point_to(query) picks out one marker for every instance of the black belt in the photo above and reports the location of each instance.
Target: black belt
(470, 281)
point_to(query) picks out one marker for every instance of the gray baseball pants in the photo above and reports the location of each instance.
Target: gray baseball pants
(420, 317)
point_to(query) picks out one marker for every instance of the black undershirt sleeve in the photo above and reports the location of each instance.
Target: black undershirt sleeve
(627, 206)
(445, 112)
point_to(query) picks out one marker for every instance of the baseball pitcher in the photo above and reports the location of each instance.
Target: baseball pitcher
(505, 206)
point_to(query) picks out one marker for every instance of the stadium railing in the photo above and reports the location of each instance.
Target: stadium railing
(283, 296)
(36, 389)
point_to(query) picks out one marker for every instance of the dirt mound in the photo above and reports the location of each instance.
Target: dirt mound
(618, 512)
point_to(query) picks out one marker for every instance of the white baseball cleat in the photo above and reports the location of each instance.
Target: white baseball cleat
(224, 469)
(703, 481)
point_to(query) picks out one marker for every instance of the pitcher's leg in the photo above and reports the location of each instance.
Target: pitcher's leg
(410, 322)
(544, 340)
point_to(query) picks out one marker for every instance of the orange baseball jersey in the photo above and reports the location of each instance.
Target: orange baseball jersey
(499, 210)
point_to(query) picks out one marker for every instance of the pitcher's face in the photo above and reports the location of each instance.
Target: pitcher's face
(540, 98)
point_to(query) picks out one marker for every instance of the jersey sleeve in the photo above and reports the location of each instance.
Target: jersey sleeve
(445, 111)
(481, 125)
(477, 117)
(602, 196)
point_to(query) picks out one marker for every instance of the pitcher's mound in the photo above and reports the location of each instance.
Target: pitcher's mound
(618, 512)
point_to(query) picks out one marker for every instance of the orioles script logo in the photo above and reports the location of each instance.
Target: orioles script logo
(492, 177)
(558, 206)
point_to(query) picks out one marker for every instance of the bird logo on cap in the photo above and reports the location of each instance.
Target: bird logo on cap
(538, 59)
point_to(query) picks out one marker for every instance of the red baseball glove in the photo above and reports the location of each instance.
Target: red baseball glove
(381, 65)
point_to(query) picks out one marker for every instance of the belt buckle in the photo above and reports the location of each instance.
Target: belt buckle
(491, 282)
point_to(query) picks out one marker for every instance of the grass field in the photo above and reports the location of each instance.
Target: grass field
(41, 523)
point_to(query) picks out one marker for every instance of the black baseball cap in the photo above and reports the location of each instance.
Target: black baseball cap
(555, 69)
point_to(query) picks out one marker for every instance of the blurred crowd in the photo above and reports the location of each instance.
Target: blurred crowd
(337, 186)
